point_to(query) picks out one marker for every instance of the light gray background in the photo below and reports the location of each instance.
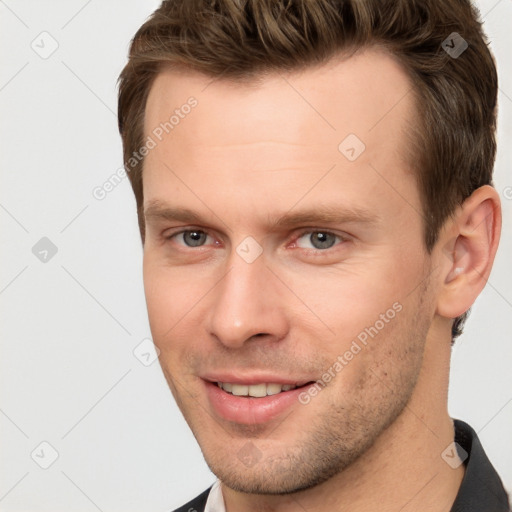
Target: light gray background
(69, 327)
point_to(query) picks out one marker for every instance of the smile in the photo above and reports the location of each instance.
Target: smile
(252, 403)
(255, 390)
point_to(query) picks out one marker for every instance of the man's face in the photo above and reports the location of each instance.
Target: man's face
(299, 253)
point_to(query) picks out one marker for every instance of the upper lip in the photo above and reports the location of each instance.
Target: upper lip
(254, 379)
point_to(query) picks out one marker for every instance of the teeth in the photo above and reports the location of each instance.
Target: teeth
(255, 390)
(258, 390)
(273, 389)
(240, 390)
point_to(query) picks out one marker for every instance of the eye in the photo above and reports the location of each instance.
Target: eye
(317, 240)
(190, 238)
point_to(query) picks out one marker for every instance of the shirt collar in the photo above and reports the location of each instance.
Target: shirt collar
(215, 501)
(481, 487)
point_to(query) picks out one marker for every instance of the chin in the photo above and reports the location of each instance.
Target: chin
(274, 475)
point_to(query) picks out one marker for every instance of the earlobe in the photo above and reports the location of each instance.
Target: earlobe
(473, 236)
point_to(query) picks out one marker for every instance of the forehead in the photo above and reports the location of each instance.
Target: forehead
(365, 93)
(301, 123)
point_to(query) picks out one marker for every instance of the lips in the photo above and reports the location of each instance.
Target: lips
(234, 400)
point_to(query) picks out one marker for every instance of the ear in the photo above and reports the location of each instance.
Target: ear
(468, 246)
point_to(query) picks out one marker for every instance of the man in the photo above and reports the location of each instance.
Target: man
(313, 183)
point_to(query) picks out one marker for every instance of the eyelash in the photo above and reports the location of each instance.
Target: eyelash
(341, 239)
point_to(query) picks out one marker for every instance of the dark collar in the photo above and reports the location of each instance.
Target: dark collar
(481, 489)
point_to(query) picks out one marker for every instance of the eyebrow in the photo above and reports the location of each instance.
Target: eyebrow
(156, 210)
(324, 215)
(321, 215)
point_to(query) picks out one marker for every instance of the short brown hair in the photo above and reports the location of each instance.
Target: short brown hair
(456, 95)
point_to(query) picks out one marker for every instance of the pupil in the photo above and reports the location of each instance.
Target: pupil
(321, 240)
(194, 238)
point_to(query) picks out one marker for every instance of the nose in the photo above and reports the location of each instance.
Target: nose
(247, 305)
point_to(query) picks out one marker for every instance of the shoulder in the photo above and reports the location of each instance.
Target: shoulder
(197, 504)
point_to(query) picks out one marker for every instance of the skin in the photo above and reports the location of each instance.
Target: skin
(373, 437)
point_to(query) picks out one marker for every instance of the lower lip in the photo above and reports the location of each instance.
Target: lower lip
(251, 410)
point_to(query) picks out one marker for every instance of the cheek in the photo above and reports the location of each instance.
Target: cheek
(347, 300)
(359, 316)
(178, 300)
(170, 296)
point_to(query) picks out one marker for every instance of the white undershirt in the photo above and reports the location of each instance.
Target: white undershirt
(215, 501)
